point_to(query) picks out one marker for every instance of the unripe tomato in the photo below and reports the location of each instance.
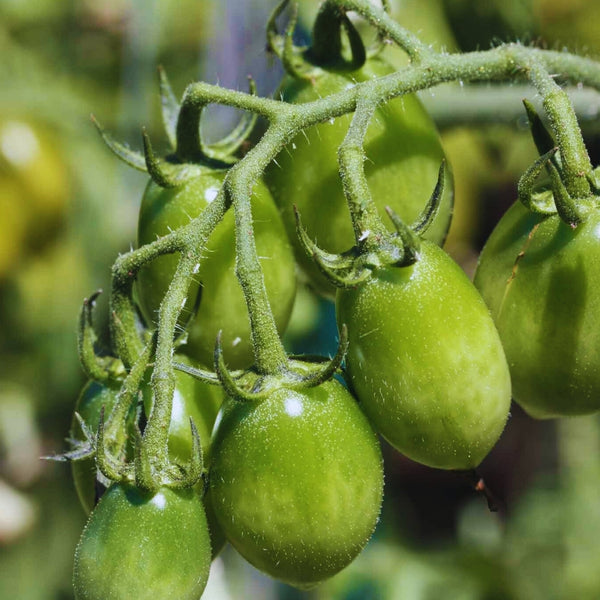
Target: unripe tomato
(89, 405)
(540, 278)
(143, 546)
(222, 305)
(404, 155)
(296, 481)
(425, 361)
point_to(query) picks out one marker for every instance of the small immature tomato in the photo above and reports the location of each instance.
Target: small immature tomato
(296, 481)
(540, 277)
(404, 155)
(143, 546)
(222, 305)
(426, 362)
(93, 397)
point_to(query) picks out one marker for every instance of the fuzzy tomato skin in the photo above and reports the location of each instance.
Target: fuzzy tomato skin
(540, 278)
(296, 481)
(222, 305)
(404, 155)
(426, 362)
(143, 546)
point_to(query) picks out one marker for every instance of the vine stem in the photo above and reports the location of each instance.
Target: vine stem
(368, 227)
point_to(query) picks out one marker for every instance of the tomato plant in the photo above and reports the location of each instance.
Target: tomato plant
(221, 304)
(143, 545)
(404, 155)
(538, 276)
(296, 481)
(426, 361)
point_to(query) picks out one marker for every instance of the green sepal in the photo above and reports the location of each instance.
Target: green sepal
(568, 209)
(131, 157)
(326, 48)
(332, 366)
(169, 108)
(538, 202)
(190, 474)
(231, 387)
(107, 370)
(410, 241)
(431, 210)
(107, 465)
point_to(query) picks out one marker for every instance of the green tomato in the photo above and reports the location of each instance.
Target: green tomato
(143, 546)
(296, 481)
(540, 278)
(404, 156)
(426, 362)
(222, 304)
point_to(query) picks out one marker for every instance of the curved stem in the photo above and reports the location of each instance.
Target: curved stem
(368, 227)
(269, 353)
(194, 237)
(563, 121)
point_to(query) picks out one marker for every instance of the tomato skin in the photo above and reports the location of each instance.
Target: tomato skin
(143, 546)
(296, 481)
(426, 362)
(540, 279)
(222, 305)
(404, 156)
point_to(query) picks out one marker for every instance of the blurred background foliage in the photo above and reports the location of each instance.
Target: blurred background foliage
(67, 207)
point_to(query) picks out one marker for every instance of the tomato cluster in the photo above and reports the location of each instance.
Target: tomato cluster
(293, 474)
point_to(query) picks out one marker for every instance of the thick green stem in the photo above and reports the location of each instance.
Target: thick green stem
(368, 227)
(563, 121)
(194, 237)
(269, 353)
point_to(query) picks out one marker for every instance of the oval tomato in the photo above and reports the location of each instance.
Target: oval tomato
(296, 481)
(426, 361)
(540, 278)
(141, 545)
(222, 304)
(404, 156)
(89, 405)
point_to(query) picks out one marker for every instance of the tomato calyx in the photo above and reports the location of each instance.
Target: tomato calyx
(301, 372)
(375, 250)
(182, 128)
(553, 198)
